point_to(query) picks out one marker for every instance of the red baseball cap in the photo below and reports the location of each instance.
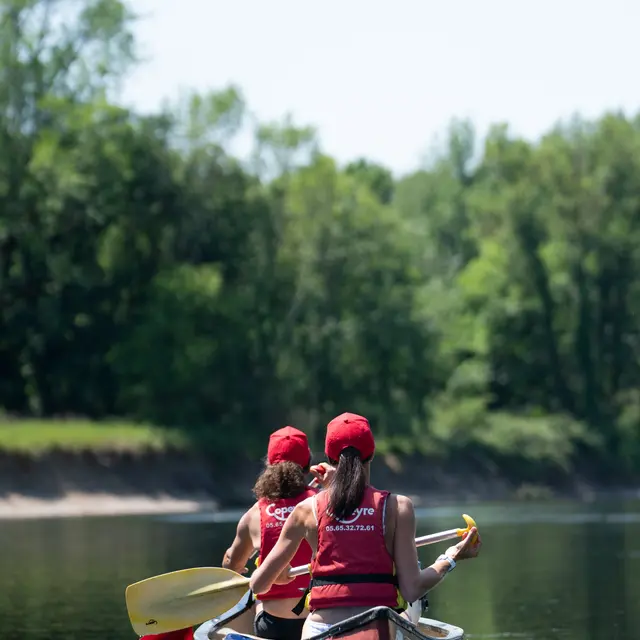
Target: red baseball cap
(289, 445)
(349, 430)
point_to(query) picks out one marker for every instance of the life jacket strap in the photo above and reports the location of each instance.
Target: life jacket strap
(356, 578)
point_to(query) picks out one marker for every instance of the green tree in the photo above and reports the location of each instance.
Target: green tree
(483, 306)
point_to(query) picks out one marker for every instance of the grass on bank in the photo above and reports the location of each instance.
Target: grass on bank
(536, 442)
(40, 436)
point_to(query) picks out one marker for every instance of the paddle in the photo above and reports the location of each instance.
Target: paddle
(187, 633)
(184, 598)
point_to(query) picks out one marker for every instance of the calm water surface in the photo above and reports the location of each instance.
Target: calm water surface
(548, 571)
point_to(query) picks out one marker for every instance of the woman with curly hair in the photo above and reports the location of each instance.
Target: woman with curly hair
(280, 487)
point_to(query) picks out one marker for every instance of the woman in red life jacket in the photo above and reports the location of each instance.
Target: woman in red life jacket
(365, 554)
(280, 487)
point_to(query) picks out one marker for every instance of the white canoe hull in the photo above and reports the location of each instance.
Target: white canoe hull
(379, 623)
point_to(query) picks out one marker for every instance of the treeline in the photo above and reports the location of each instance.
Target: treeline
(487, 303)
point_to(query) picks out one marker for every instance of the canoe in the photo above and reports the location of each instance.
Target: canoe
(379, 623)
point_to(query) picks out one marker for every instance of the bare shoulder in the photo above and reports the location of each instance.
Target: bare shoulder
(404, 506)
(307, 503)
(253, 511)
(399, 509)
(303, 513)
(249, 518)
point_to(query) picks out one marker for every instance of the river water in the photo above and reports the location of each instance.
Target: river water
(553, 570)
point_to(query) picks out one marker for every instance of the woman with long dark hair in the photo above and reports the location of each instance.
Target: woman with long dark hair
(365, 554)
(279, 488)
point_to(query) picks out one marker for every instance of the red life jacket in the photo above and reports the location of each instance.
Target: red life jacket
(273, 515)
(352, 567)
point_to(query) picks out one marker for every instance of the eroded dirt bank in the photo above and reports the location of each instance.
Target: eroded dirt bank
(61, 483)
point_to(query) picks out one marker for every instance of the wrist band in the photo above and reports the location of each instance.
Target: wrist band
(450, 561)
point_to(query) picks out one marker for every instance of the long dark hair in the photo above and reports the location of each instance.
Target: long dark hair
(281, 480)
(349, 483)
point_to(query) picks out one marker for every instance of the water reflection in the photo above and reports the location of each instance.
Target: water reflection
(548, 571)
(538, 578)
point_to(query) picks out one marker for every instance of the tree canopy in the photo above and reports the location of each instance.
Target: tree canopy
(486, 303)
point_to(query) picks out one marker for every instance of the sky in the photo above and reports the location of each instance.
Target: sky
(384, 78)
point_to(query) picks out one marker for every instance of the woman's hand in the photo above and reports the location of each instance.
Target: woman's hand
(323, 473)
(468, 547)
(284, 578)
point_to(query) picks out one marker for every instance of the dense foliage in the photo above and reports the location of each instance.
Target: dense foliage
(487, 303)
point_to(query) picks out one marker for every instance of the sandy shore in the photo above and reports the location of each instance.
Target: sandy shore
(91, 504)
(60, 484)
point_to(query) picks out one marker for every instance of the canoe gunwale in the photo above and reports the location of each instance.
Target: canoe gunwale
(243, 606)
(382, 613)
(444, 631)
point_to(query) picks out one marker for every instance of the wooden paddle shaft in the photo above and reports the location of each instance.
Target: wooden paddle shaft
(422, 541)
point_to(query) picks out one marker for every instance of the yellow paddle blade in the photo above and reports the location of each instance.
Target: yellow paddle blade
(182, 599)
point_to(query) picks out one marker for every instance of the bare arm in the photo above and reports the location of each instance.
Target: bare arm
(292, 534)
(241, 549)
(412, 581)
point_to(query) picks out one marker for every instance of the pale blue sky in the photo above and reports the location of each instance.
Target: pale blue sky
(381, 78)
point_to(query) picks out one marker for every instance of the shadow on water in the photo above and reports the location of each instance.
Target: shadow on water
(548, 571)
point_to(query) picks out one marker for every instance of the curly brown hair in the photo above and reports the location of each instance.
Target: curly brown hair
(281, 480)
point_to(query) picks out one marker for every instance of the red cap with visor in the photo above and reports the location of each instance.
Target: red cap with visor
(289, 445)
(349, 430)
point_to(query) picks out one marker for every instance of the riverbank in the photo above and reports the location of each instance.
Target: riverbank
(73, 468)
(77, 483)
(102, 482)
(70, 468)
(77, 505)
